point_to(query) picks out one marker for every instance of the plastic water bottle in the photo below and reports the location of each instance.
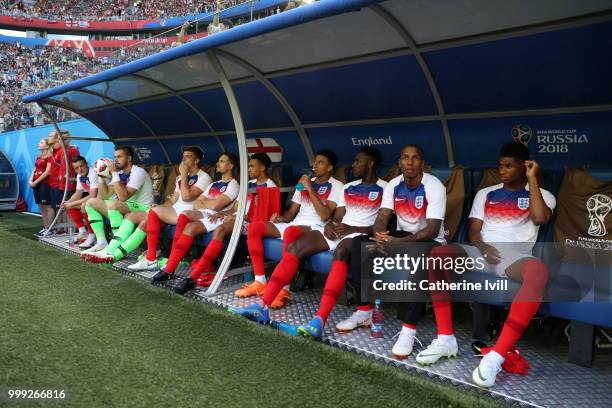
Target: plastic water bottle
(248, 275)
(308, 172)
(377, 321)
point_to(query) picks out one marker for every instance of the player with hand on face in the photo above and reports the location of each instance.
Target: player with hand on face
(189, 185)
(353, 217)
(218, 196)
(202, 274)
(133, 192)
(504, 223)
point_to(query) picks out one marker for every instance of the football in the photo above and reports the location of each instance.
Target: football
(102, 167)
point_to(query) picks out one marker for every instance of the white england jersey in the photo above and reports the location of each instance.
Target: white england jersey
(200, 180)
(139, 180)
(413, 206)
(86, 183)
(218, 188)
(505, 215)
(331, 190)
(362, 202)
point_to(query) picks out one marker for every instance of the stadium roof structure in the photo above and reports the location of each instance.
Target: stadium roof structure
(360, 61)
(436, 65)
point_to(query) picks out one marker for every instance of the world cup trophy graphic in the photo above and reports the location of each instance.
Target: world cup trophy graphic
(521, 134)
(599, 206)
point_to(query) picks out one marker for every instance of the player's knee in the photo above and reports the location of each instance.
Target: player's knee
(219, 233)
(191, 228)
(292, 233)
(132, 217)
(343, 252)
(92, 202)
(535, 274)
(113, 205)
(295, 248)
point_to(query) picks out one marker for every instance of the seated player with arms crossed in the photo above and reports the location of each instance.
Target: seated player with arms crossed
(86, 188)
(510, 212)
(311, 207)
(218, 196)
(189, 185)
(356, 212)
(418, 200)
(259, 163)
(133, 193)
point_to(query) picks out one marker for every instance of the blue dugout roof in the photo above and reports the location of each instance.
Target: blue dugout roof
(440, 65)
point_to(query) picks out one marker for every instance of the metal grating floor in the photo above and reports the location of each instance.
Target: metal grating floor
(552, 381)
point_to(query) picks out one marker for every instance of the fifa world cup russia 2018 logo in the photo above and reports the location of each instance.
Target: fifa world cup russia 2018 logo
(521, 134)
(599, 206)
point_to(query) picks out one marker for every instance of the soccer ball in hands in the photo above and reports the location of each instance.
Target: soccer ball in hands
(103, 166)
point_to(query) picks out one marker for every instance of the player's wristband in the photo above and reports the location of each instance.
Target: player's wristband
(115, 178)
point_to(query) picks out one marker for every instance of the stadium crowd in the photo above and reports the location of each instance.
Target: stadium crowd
(324, 215)
(25, 70)
(104, 10)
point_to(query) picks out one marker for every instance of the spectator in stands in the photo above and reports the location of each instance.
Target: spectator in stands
(510, 212)
(258, 174)
(39, 182)
(218, 196)
(310, 208)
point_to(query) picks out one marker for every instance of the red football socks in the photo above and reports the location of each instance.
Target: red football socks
(282, 275)
(153, 231)
(441, 299)
(181, 247)
(291, 234)
(255, 234)
(76, 216)
(181, 223)
(333, 287)
(206, 260)
(524, 305)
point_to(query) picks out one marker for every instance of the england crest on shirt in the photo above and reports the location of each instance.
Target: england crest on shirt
(523, 203)
(223, 189)
(192, 181)
(322, 190)
(418, 202)
(373, 195)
